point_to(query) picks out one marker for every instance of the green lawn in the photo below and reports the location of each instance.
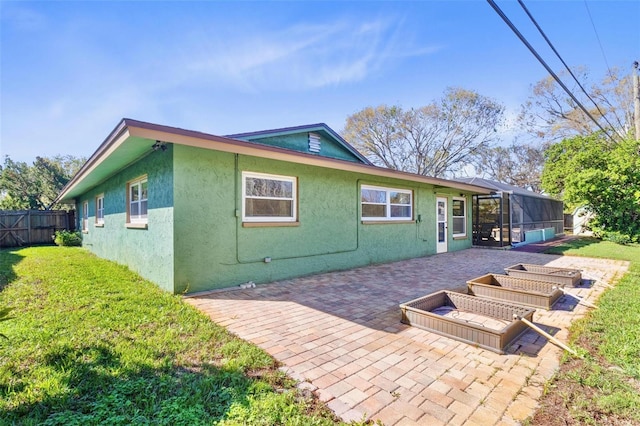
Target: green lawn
(93, 343)
(604, 387)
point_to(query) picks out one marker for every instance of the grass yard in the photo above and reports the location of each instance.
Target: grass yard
(604, 387)
(93, 343)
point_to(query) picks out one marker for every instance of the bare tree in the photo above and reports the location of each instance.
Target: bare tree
(517, 164)
(551, 115)
(438, 139)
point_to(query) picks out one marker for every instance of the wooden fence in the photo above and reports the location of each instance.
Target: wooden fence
(29, 227)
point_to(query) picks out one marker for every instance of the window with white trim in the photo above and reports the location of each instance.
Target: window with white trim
(380, 203)
(459, 217)
(85, 216)
(268, 198)
(100, 209)
(137, 194)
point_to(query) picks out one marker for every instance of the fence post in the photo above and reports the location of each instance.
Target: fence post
(29, 227)
(71, 220)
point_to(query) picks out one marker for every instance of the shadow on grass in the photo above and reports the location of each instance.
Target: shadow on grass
(8, 259)
(97, 387)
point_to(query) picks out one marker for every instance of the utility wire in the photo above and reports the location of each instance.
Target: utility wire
(598, 38)
(564, 63)
(504, 17)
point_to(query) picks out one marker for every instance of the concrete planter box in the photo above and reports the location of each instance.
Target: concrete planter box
(538, 294)
(482, 322)
(550, 274)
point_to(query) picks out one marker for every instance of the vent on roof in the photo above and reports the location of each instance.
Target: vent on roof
(314, 142)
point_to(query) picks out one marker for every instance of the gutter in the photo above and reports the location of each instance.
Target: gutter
(105, 146)
(133, 128)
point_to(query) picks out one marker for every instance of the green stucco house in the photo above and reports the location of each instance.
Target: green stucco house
(193, 212)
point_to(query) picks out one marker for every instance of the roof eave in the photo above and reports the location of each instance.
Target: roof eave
(132, 128)
(225, 144)
(118, 135)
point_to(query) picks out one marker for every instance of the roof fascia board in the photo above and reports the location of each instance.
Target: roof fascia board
(218, 143)
(347, 145)
(132, 128)
(276, 132)
(110, 144)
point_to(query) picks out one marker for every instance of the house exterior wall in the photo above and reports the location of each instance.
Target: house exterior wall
(212, 248)
(148, 252)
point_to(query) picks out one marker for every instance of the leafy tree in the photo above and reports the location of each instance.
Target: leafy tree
(438, 139)
(517, 165)
(551, 115)
(565, 160)
(604, 176)
(36, 186)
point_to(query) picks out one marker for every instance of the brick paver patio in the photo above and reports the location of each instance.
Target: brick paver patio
(340, 335)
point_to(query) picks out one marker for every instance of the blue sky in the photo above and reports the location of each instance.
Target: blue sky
(70, 71)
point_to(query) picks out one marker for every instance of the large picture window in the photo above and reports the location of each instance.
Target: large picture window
(459, 217)
(379, 203)
(137, 194)
(268, 198)
(100, 209)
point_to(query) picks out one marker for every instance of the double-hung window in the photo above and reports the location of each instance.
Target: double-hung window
(85, 216)
(380, 203)
(137, 193)
(459, 217)
(100, 209)
(268, 198)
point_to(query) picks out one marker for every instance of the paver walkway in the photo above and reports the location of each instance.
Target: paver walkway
(340, 335)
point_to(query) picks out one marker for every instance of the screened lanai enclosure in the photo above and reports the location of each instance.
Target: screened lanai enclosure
(512, 216)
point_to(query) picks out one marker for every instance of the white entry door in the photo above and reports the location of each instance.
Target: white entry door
(441, 225)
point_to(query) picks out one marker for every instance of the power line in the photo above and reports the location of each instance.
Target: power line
(563, 62)
(598, 38)
(504, 17)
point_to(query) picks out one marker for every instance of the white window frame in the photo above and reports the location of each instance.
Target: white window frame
(464, 217)
(387, 204)
(100, 209)
(139, 218)
(293, 198)
(85, 216)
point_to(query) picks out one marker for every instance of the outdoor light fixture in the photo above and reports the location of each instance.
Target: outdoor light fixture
(159, 146)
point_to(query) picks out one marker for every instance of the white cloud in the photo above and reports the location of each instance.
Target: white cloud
(303, 56)
(94, 78)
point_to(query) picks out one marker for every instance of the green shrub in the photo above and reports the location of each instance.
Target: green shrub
(617, 237)
(68, 238)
